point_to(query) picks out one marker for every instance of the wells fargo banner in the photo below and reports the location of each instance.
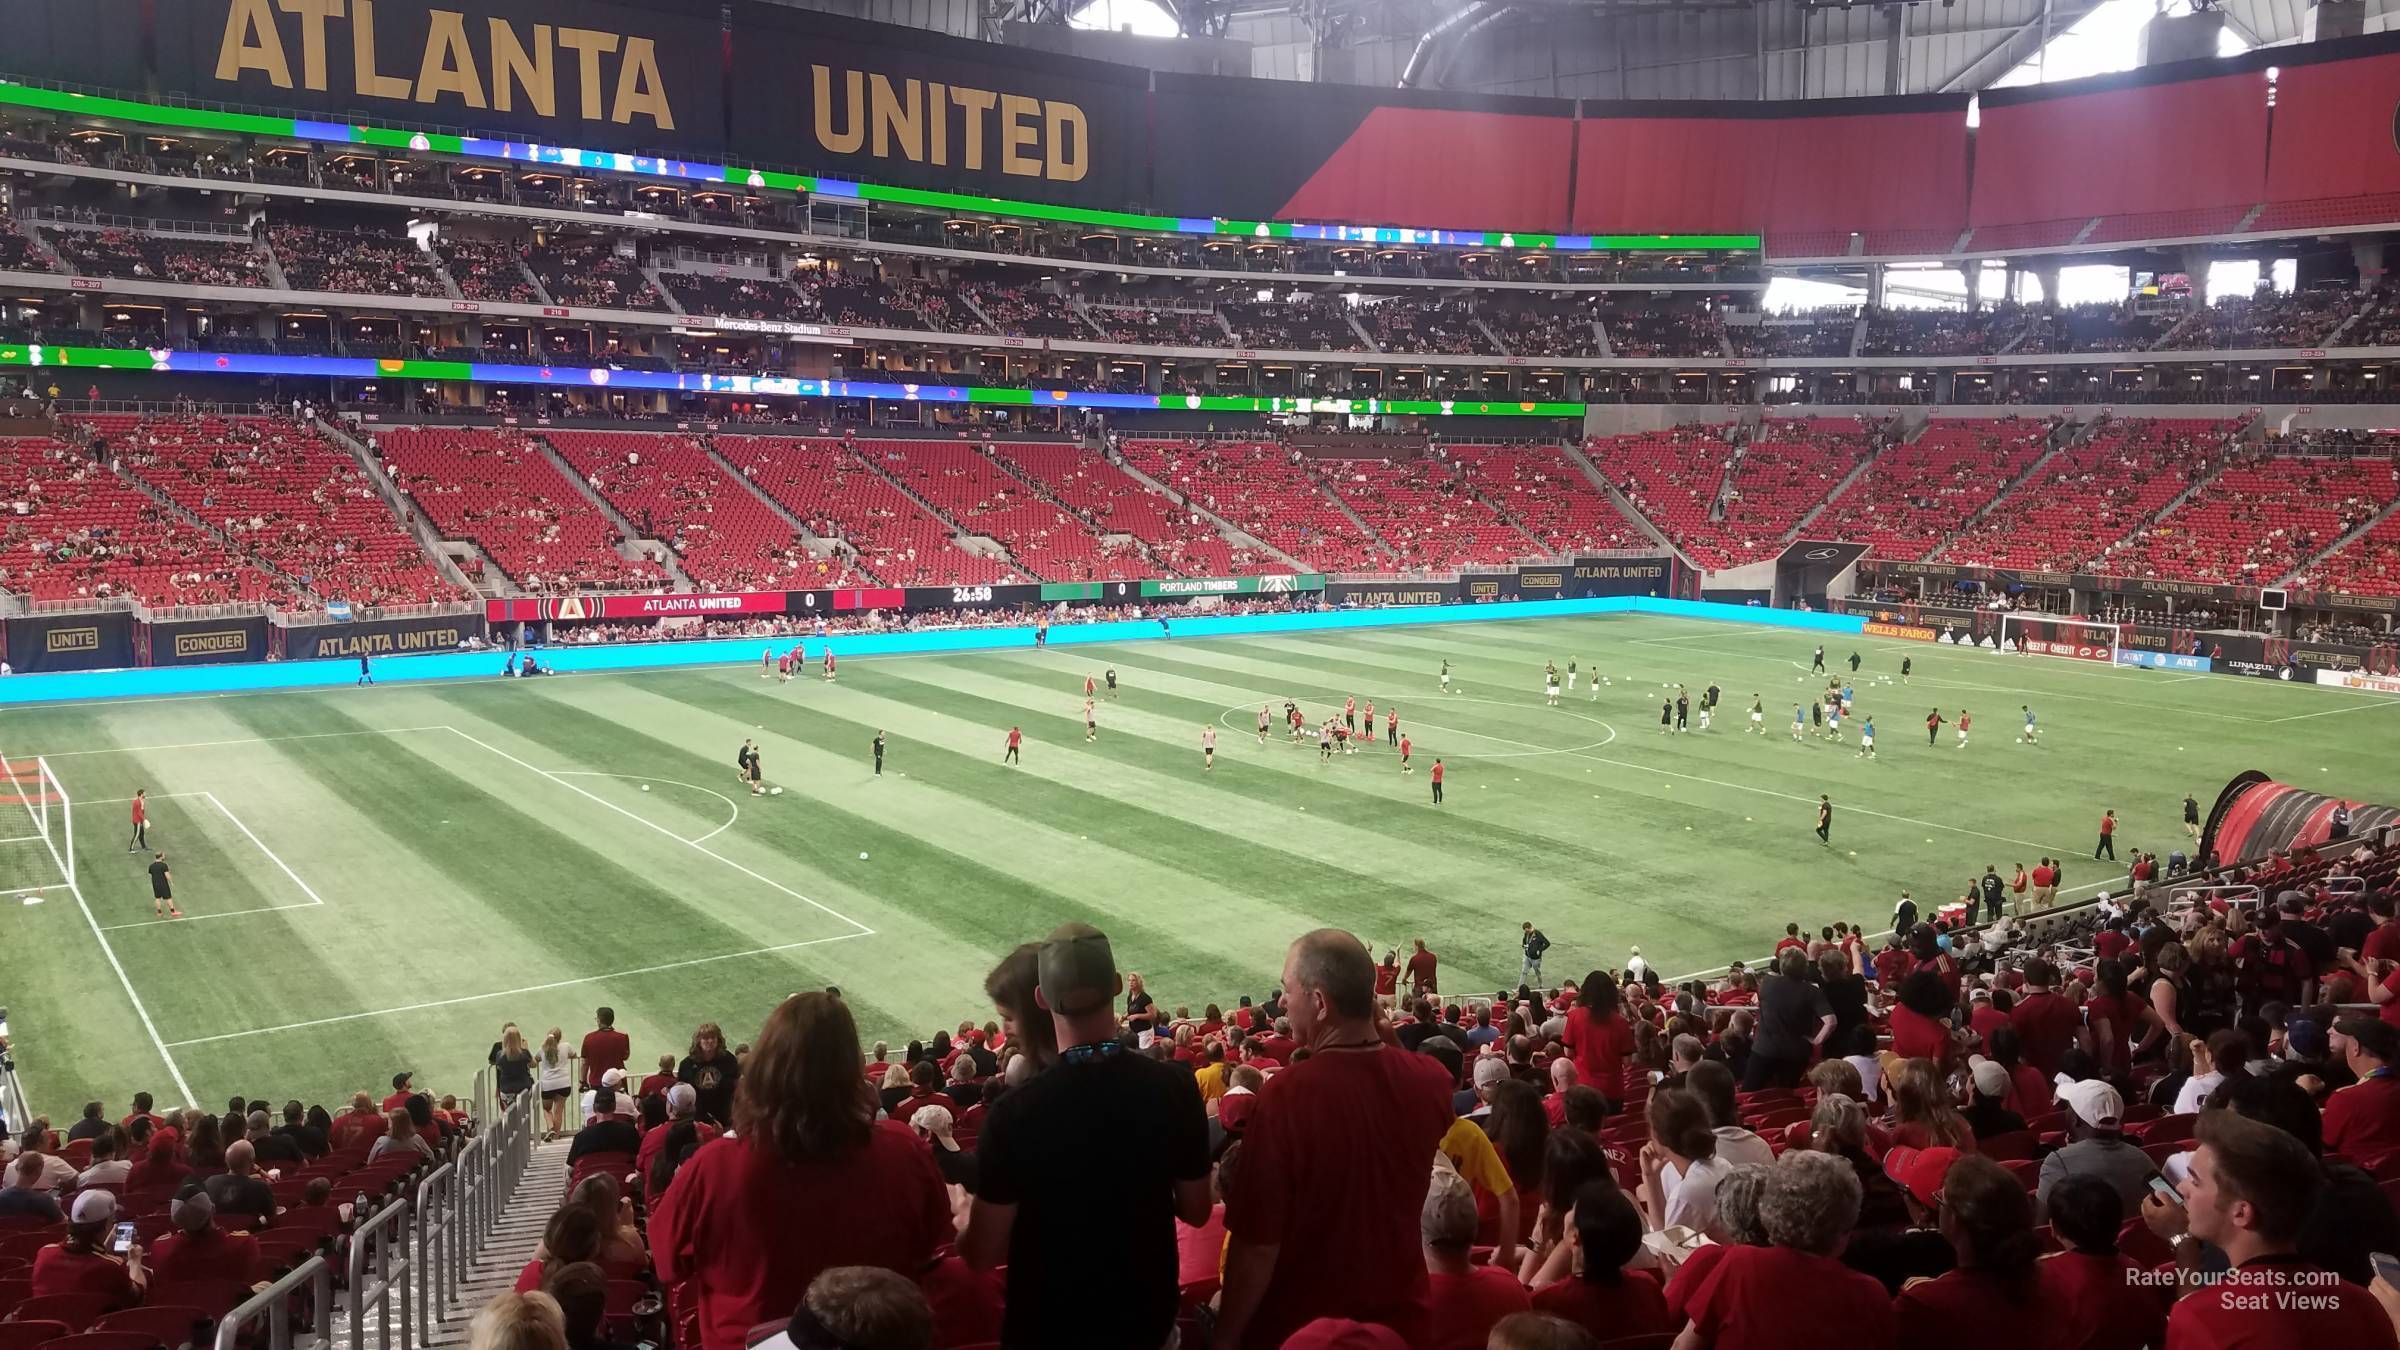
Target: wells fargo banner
(1906, 631)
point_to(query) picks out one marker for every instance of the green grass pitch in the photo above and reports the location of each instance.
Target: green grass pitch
(376, 879)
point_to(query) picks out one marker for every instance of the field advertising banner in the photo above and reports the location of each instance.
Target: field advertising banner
(1595, 576)
(380, 637)
(923, 110)
(40, 642)
(1277, 584)
(1380, 594)
(585, 72)
(208, 642)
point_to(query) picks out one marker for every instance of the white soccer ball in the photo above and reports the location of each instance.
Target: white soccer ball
(774, 792)
(645, 787)
(862, 857)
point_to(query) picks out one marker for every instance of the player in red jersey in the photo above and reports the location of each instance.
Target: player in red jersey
(1404, 749)
(829, 665)
(1350, 714)
(141, 821)
(1391, 726)
(1263, 722)
(1091, 720)
(1370, 733)
(1208, 745)
(1437, 782)
(1016, 738)
(1088, 688)
(1964, 722)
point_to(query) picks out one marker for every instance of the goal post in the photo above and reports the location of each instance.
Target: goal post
(37, 827)
(2057, 635)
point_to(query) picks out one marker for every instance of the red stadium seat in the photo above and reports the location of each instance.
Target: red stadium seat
(167, 1324)
(215, 1298)
(2166, 1129)
(76, 1311)
(26, 1333)
(2015, 1146)
(108, 1340)
(14, 1289)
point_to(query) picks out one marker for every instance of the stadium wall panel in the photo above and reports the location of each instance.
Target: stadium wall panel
(1847, 164)
(915, 109)
(1267, 149)
(2145, 142)
(68, 642)
(208, 642)
(256, 677)
(647, 76)
(2335, 131)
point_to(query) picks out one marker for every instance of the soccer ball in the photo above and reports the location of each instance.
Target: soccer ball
(774, 792)
(862, 857)
(645, 787)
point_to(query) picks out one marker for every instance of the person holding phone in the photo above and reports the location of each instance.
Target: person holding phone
(97, 1256)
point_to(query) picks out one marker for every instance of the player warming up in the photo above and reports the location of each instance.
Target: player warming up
(2032, 733)
(1405, 748)
(1799, 721)
(1866, 736)
(1446, 679)
(1208, 745)
(1758, 715)
(1550, 686)
(1933, 726)
(1964, 722)
(879, 753)
(1016, 741)
(1263, 722)
(141, 821)
(162, 889)
(829, 666)
(1816, 665)
(1391, 726)
(1111, 677)
(1825, 820)
(1907, 663)
(1437, 782)
(1091, 720)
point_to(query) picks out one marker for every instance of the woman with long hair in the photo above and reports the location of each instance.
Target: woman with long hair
(554, 1076)
(1521, 1134)
(204, 1147)
(1599, 1038)
(1570, 1158)
(1010, 988)
(1604, 1231)
(1923, 1115)
(622, 1253)
(2124, 1028)
(805, 1143)
(1987, 1216)
(1922, 1018)
(712, 1071)
(512, 1065)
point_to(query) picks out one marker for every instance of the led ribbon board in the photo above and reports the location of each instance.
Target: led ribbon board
(47, 357)
(167, 117)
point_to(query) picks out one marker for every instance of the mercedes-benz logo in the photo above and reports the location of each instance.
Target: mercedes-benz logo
(1821, 554)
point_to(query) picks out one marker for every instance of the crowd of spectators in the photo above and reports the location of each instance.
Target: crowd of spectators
(195, 259)
(590, 271)
(1826, 331)
(2266, 319)
(2162, 1121)
(486, 269)
(1670, 329)
(357, 261)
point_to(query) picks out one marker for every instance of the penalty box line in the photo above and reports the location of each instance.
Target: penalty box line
(314, 901)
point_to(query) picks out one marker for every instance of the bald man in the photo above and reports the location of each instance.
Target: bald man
(239, 1189)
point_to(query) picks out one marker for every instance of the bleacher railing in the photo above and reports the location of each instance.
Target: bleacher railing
(379, 1284)
(458, 1206)
(273, 1306)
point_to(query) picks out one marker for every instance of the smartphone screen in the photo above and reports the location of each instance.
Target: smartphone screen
(2387, 1266)
(2165, 1190)
(123, 1241)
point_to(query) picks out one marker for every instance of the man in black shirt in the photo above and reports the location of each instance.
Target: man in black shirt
(879, 754)
(1793, 1018)
(162, 889)
(1993, 890)
(606, 1132)
(308, 1138)
(1085, 1169)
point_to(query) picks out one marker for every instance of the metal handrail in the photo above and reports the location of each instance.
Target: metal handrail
(441, 1238)
(274, 1303)
(379, 1268)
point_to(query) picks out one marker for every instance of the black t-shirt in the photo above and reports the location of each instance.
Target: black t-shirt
(2350, 928)
(2314, 941)
(1137, 1011)
(158, 881)
(1847, 996)
(712, 1080)
(1789, 1012)
(879, 747)
(1089, 1152)
(613, 1135)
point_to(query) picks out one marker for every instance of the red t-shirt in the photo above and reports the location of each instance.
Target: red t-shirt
(2384, 943)
(357, 1127)
(656, 1140)
(226, 1256)
(2390, 1011)
(1333, 1173)
(2046, 1024)
(1599, 1046)
(1689, 1277)
(398, 1101)
(1985, 1020)
(726, 1225)
(1462, 1309)
(2108, 944)
(967, 1303)
(1916, 1036)
(2362, 1121)
(2113, 1043)
(1015, 738)
(1387, 979)
(1437, 773)
(658, 1083)
(56, 1270)
(2108, 826)
(1752, 1301)
(1420, 970)
(602, 1051)
(1790, 941)
(1972, 1310)
(2097, 1304)
(2043, 876)
(138, 809)
(1633, 1306)
(2242, 1312)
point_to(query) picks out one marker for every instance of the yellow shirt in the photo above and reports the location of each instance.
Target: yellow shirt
(1211, 1078)
(1470, 1150)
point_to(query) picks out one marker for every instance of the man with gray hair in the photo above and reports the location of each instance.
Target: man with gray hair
(270, 1146)
(1467, 1300)
(1333, 1164)
(683, 1107)
(237, 1189)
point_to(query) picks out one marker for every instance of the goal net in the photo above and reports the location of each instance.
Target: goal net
(2051, 635)
(37, 828)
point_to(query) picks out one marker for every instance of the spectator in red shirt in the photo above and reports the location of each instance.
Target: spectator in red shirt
(401, 1092)
(199, 1250)
(2092, 1290)
(604, 1047)
(1421, 979)
(2362, 1121)
(2248, 1194)
(359, 1126)
(656, 1084)
(682, 1103)
(1921, 1019)
(2048, 1026)
(812, 1181)
(1992, 1297)
(1599, 1038)
(1604, 1231)
(1794, 1294)
(81, 1263)
(1334, 1163)
(1466, 1299)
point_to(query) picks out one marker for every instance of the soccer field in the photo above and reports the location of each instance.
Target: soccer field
(376, 879)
